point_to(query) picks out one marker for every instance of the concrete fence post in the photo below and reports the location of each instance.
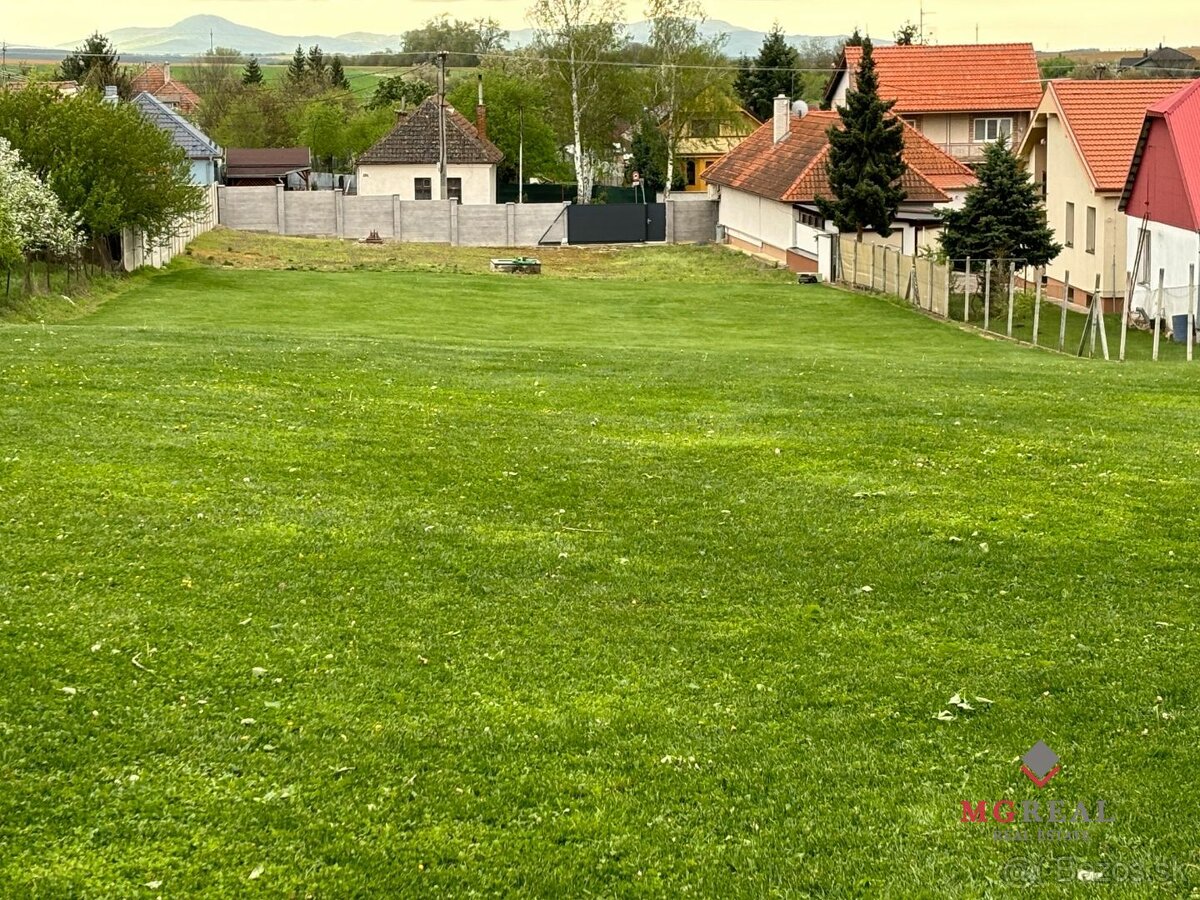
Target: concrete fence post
(453, 221)
(510, 224)
(1158, 311)
(1062, 321)
(280, 211)
(396, 229)
(1191, 325)
(987, 294)
(339, 215)
(670, 205)
(1037, 303)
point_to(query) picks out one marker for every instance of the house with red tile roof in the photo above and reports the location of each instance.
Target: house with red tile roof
(767, 188)
(156, 80)
(961, 97)
(1161, 199)
(404, 162)
(1079, 148)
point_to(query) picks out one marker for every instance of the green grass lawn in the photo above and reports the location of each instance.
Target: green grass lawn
(400, 578)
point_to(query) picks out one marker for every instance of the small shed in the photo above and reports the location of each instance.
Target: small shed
(286, 166)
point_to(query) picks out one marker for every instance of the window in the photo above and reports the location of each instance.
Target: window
(811, 219)
(1143, 263)
(690, 169)
(423, 188)
(1069, 230)
(1090, 236)
(988, 130)
(454, 189)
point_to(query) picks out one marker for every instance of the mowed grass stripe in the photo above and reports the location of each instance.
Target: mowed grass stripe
(563, 586)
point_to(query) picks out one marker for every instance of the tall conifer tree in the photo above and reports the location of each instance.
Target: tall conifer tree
(865, 158)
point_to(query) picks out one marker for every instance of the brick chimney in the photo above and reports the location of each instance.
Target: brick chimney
(782, 118)
(166, 73)
(481, 112)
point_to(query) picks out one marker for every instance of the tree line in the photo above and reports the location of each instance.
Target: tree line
(75, 173)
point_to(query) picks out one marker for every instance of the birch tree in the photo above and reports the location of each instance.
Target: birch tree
(688, 71)
(576, 38)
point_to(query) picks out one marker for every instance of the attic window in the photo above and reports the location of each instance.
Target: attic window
(988, 130)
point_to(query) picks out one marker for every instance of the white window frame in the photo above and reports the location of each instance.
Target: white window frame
(993, 127)
(1089, 236)
(1069, 230)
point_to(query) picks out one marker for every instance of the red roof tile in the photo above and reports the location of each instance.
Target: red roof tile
(794, 169)
(1104, 119)
(924, 78)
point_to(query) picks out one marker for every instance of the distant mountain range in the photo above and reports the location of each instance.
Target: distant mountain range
(194, 35)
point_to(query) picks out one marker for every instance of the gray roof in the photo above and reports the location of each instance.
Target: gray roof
(194, 142)
(415, 139)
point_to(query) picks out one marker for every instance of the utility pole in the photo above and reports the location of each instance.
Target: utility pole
(521, 154)
(212, 46)
(441, 57)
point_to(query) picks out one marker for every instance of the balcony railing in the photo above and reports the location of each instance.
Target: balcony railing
(972, 151)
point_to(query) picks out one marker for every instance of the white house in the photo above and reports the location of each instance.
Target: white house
(767, 187)
(1162, 202)
(404, 162)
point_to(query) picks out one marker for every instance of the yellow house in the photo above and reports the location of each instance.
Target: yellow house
(705, 139)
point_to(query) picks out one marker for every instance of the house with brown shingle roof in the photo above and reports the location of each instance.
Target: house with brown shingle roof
(767, 188)
(404, 163)
(156, 80)
(1078, 149)
(961, 97)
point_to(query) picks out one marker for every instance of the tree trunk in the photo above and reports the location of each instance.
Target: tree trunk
(583, 181)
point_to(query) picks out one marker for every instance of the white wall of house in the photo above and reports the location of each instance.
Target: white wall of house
(478, 181)
(1068, 182)
(757, 220)
(204, 172)
(1174, 250)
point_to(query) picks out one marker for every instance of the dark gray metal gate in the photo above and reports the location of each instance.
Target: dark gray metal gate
(616, 223)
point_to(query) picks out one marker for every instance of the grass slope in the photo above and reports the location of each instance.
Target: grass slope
(415, 582)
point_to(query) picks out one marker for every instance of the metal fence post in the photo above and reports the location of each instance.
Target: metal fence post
(1062, 322)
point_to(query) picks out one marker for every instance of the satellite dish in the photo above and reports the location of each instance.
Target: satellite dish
(800, 108)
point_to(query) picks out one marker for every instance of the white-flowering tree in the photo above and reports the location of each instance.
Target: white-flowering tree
(31, 220)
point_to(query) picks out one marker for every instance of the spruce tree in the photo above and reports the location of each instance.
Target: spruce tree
(1003, 217)
(865, 158)
(252, 74)
(298, 68)
(317, 67)
(760, 80)
(337, 75)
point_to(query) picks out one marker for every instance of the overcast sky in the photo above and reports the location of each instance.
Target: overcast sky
(1047, 23)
